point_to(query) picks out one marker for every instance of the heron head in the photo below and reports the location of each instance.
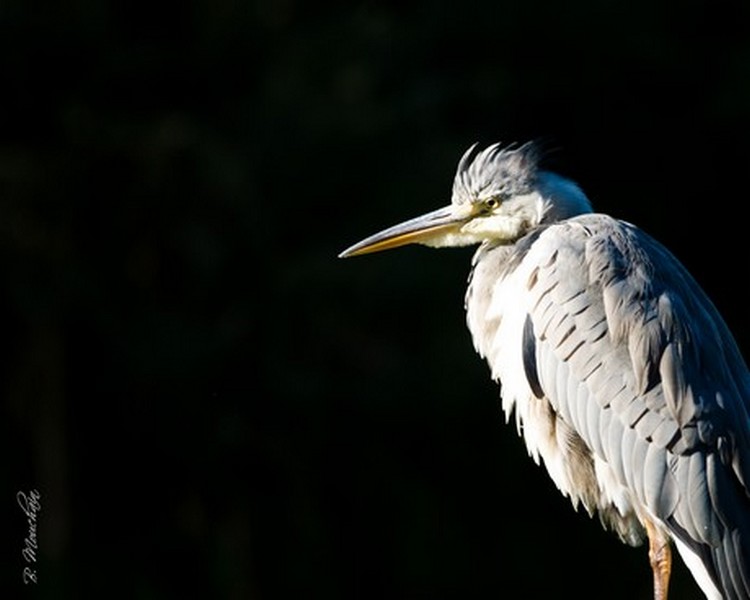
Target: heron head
(499, 194)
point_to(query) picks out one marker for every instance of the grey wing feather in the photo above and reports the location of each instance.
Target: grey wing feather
(664, 390)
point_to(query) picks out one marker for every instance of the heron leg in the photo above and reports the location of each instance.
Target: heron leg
(660, 555)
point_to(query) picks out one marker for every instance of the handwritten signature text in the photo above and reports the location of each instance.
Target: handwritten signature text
(30, 506)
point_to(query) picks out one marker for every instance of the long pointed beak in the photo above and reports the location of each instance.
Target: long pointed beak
(421, 230)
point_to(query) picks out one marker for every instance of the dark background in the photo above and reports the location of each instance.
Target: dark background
(208, 400)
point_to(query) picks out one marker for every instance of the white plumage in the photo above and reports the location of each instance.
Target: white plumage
(621, 375)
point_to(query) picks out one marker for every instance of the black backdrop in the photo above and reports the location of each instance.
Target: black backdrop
(209, 401)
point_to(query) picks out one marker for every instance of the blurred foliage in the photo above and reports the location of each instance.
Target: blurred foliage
(208, 400)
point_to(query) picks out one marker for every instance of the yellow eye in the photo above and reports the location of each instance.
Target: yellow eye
(492, 203)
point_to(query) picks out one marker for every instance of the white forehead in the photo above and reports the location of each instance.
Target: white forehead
(494, 171)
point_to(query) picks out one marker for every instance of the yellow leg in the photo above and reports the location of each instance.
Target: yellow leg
(660, 555)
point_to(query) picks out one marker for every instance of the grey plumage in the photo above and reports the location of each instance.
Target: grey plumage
(683, 456)
(623, 378)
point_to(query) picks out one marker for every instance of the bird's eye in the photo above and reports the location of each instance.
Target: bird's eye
(492, 203)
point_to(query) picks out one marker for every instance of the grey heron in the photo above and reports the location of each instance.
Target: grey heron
(624, 380)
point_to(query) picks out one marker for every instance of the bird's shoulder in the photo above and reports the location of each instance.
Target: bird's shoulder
(601, 291)
(654, 310)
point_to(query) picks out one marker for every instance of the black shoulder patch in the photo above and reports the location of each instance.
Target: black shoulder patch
(529, 358)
